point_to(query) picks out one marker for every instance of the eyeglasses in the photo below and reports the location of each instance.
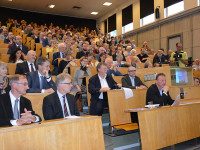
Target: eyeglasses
(132, 70)
(67, 83)
(24, 84)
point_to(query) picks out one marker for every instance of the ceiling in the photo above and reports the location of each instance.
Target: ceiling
(64, 7)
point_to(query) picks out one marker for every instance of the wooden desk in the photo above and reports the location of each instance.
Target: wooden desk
(61, 134)
(168, 125)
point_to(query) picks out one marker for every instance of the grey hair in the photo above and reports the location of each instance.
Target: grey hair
(61, 77)
(15, 78)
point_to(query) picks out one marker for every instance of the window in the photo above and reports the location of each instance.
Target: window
(148, 19)
(113, 33)
(173, 9)
(198, 1)
(127, 28)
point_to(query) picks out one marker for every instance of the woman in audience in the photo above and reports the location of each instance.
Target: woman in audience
(133, 53)
(128, 51)
(4, 82)
(79, 80)
(65, 64)
(134, 61)
(102, 59)
(112, 50)
(16, 56)
(148, 64)
(53, 48)
(90, 58)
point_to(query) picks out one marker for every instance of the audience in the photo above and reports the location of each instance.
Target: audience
(16, 56)
(112, 69)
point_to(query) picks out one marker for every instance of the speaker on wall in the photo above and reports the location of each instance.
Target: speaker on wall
(157, 12)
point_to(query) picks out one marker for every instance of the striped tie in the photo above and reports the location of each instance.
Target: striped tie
(65, 107)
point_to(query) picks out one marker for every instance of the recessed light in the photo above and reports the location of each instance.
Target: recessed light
(107, 4)
(51, 6)
(94, 13)
(10, 0)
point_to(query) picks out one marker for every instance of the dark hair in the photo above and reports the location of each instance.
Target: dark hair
(13, 58)
(101, 56)
(41, 61)
(160, 74)
(196, 78)
(99, 65)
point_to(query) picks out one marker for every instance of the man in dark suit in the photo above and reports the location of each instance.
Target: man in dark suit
(159, 58)
(27, 66)
(158, 93)
(98, 85)
(47, 40)
(40, 81)
(14, 108)
(18, 43)
(60, 104)
(60, 54)
(40, 38)
(132, 81)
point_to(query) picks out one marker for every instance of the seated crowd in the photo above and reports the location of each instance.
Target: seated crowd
(90, 49)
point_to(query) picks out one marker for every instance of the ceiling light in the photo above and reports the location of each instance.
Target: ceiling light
(94, 13)
(51, 6)
(10, 0)
(107, 4)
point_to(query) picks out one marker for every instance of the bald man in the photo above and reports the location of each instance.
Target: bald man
(27, 66)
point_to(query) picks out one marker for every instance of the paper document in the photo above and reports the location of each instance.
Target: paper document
(73, 117)
(176, 102)
(128, 93)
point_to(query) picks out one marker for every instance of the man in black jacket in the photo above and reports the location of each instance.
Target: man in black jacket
(14, 108)
(132, 81)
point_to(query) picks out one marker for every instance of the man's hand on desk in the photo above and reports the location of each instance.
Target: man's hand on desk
(141, 87)
(119, 85)
(26, 118)
(104, 89)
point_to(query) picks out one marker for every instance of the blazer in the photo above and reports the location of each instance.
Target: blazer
(77, 78)
(126, 82)
(81, 54)
(153, 94)
(6, 112)
(34, 83)
(13, 46)
(55, 59)
(157, 60)
(45, 42)
(94, 88)
(52, 108)
(22, 68)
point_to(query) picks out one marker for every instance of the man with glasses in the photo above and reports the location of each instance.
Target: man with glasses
(60, 104)
(14, 108)
(132, 81)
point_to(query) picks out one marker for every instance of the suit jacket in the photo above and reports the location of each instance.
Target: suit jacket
(6, 41)
(94, 88)
(52, 108)
(55, 59)
(6, 112)
(157, 60)
(153, 94)
(22, 68)
(126, 82)
(81, 54)
(34, 83)
(45, 42)
(13, 46)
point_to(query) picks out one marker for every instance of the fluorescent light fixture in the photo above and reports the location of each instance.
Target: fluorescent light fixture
(107, 4)
(51, 6)
(10, 0)
(94, 13)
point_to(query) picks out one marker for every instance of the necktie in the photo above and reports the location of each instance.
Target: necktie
(65, 107)
(63, 55)
(41, 82)
(16, 112)
(32, 69)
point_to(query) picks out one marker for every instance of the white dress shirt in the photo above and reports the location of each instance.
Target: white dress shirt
(62, 104)
(103, 84)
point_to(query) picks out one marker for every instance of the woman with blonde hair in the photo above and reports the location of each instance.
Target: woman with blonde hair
(4, 81)
(133, 53)
(134, 61)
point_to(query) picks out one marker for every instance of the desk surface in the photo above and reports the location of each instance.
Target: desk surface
(59, 134)
(168, 125)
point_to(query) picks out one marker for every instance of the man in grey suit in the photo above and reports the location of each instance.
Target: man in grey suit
(60, 104)
(132, 81)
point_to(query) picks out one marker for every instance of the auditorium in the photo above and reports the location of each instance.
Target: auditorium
(100, 75)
